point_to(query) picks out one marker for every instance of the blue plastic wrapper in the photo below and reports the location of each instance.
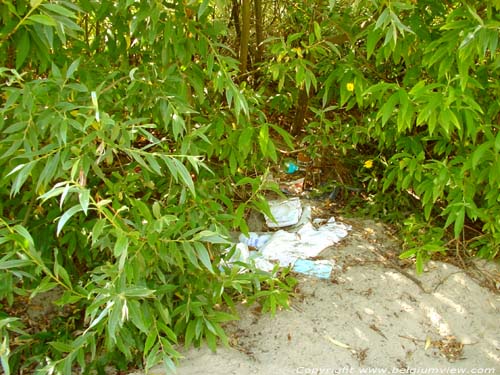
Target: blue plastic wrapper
(318, 268)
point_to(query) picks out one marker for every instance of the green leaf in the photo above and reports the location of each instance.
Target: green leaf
(478, 155)
(97, 230)
(178, 169)
(204, 256)
(35, 3)
(61, 346)
(190, 333)
(202, 8)
(317, 31)
(72, 68)
(24, 173)
(211, 339)
(190, 254)
(138, 292)
(19, 229)
(84, 197)
(42, 19)
(121, 244)
(22, 49)
(459, 221)
(419, 265)
(15, 263)
(150, 341)
(58, 9)
(383, 19)
(66, 216)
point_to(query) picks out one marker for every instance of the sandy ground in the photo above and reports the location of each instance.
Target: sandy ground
(374, 315)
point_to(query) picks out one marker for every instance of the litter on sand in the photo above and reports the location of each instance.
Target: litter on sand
(294, 247)
(285, 213)
(321, 269)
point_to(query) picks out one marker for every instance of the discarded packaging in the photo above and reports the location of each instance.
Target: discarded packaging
(318, 268)
(286, 213)
(286, 247)
(254, 240)
(292, 187)
(294, 247)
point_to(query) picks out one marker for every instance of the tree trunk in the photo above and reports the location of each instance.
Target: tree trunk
(300, 111)
(259, 36)
(245, 35)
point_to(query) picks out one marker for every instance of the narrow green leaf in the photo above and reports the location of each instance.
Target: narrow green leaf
(97, 230)
(15, 263)
(56, 8)
(382, 20)
(202, 8)
(84, 198)
(183, 173)
(317, 31)
(42, 19)
(19, 229)
(61, 346)
(150, 341)
(190, 254)
(419, 265)
(459, 221)
(138, 292)
(190, 333)
(204, 256)
(35, 3)
(155, 166)
(22, 48)
(66, 216)
(169, 364)
(72, 68)
(121, 244)
(60, 272)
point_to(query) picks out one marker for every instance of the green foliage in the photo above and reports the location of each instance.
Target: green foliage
(411, 85)
(115, 139)
(128, 139)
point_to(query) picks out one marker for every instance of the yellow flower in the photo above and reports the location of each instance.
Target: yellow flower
(368, 164)
(350, 86)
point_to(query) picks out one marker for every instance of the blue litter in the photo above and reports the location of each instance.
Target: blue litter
(319, 268)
